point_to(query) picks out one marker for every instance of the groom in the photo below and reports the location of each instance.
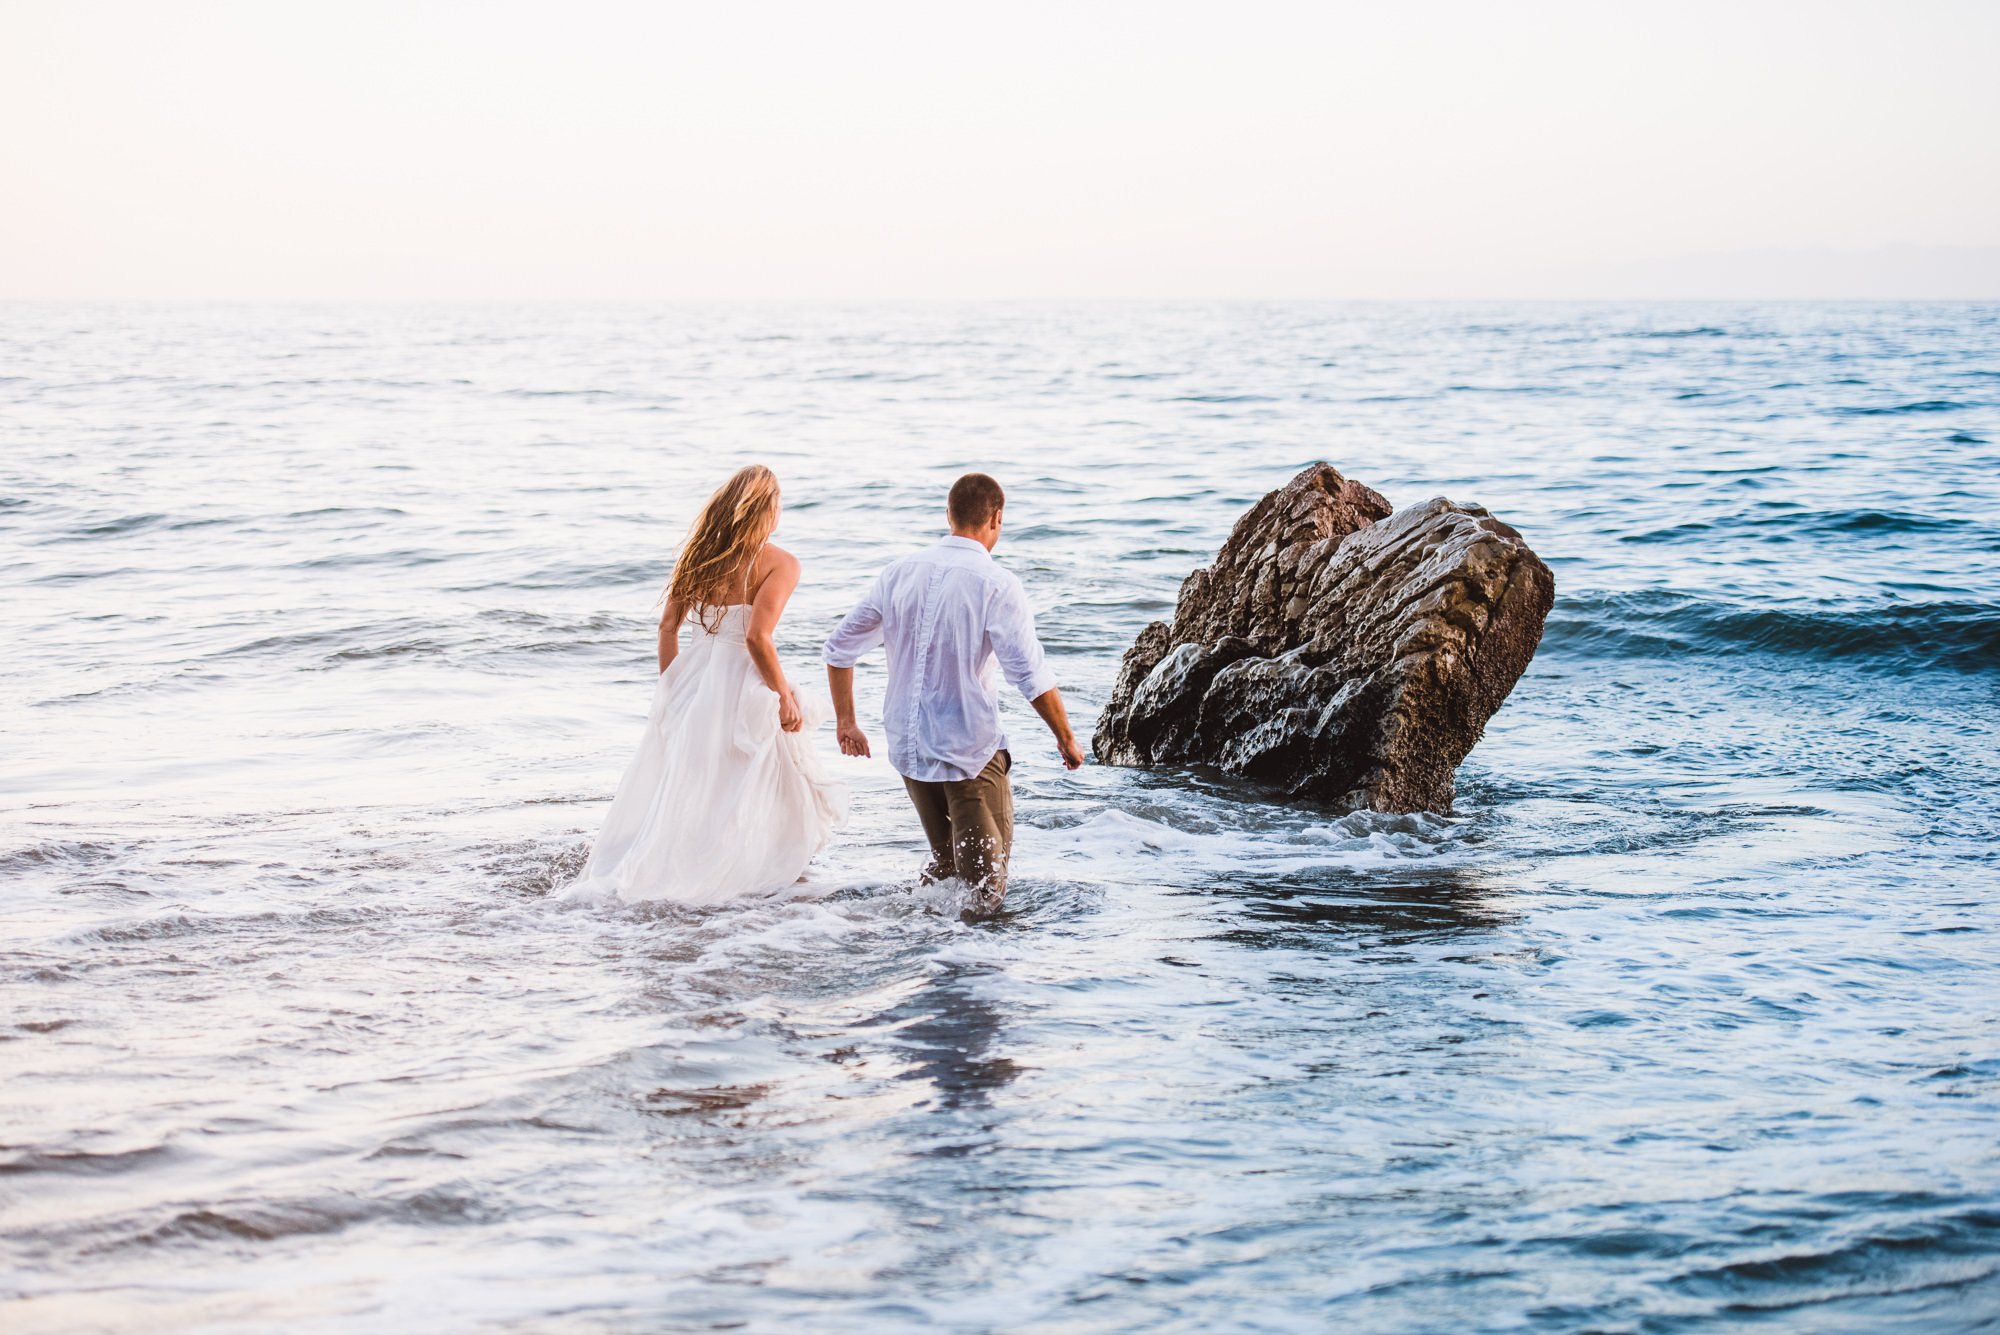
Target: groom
(946, 615)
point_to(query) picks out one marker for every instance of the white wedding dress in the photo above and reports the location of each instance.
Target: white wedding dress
(720, 803)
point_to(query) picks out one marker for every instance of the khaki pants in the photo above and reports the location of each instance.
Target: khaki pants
(970, 825)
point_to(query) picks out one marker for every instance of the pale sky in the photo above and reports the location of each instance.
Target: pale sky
(642, 150)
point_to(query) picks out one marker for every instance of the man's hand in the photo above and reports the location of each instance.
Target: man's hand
(853, 741)
(1072, 754)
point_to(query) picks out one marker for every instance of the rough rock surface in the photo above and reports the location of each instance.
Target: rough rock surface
(1340, 652)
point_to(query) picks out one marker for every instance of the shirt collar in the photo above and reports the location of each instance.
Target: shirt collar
(954, 540)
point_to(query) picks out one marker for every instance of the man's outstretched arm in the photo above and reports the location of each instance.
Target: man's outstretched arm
(855, 636)
(1011, 630)
(1049, 705)
(853, 741)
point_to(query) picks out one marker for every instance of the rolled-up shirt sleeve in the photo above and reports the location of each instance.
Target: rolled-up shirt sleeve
(1011, 630)
(860, 632)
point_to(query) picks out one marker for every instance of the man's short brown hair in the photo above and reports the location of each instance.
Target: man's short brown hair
(974, 500)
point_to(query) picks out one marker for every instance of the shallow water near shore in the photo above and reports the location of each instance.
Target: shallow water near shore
(330, 632)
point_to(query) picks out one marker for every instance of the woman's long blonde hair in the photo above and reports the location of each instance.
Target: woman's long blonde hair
(723, 541)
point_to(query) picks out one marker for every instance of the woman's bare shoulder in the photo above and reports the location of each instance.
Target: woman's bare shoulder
(776, 558)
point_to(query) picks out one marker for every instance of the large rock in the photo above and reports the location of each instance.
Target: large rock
(1345, 654)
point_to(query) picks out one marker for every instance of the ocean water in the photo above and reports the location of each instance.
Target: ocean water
(328, 631)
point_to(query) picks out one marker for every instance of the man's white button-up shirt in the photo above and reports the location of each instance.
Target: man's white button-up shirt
(947, 616)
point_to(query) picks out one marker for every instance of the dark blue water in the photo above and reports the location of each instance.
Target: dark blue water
(329, 630)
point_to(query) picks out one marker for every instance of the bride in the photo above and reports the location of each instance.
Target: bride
(725, 798)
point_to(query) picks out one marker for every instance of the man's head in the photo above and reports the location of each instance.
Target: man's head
(974, 508)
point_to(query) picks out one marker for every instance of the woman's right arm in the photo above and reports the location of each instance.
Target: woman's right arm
(670, 631)
(765, 610)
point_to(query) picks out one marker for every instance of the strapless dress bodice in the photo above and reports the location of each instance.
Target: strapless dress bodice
(733, 624)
